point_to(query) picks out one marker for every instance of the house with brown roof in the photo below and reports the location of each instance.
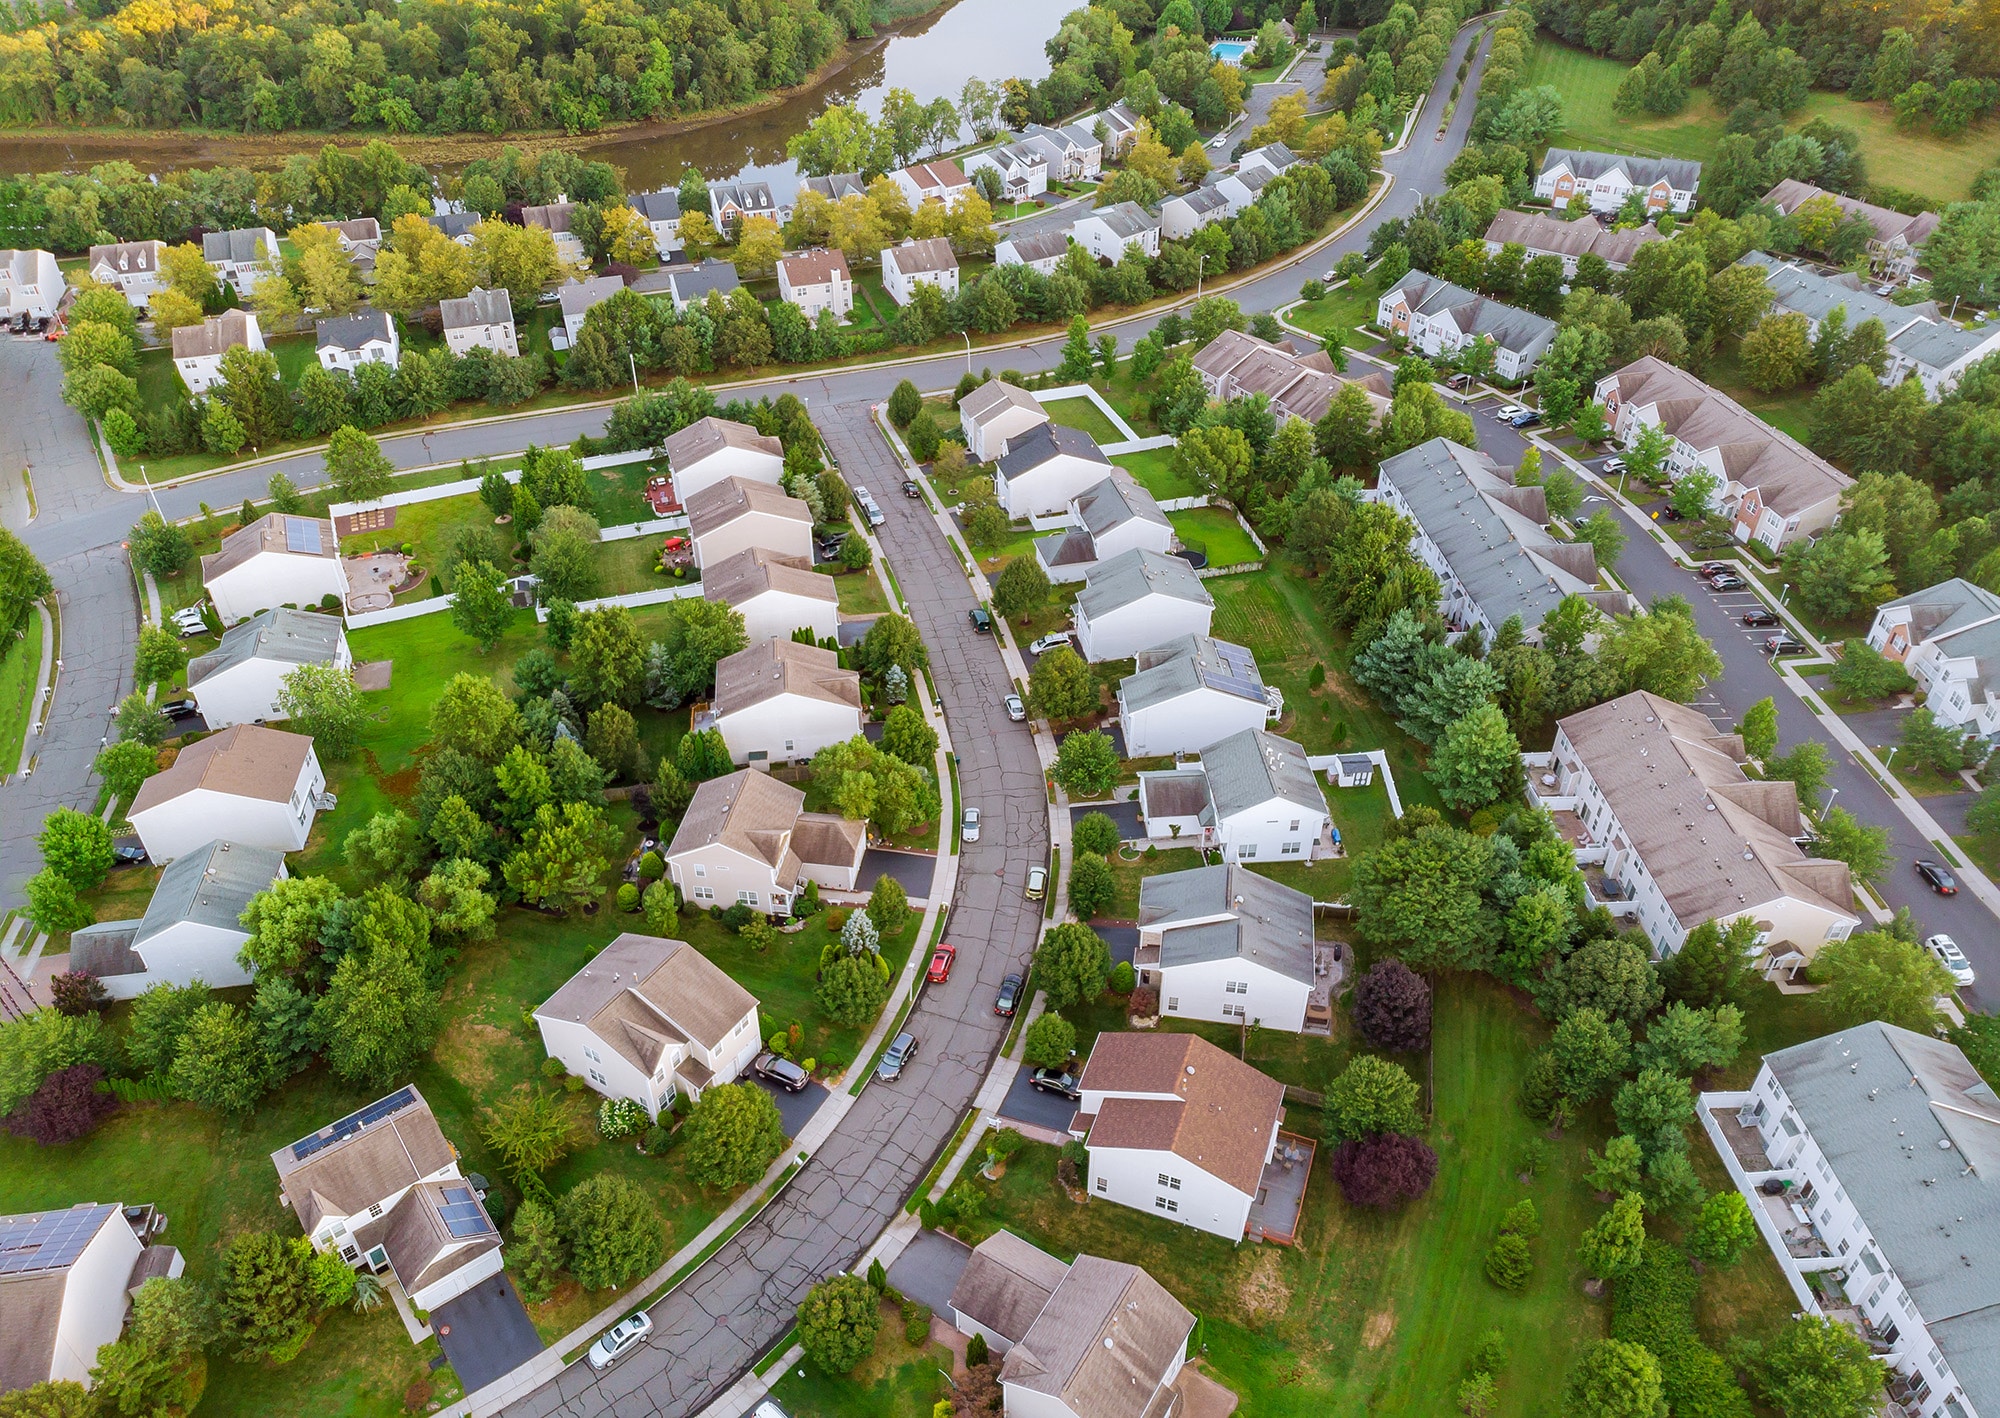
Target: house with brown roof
(555, 219)
(649, 1018)
(776, 594)
(817, 281)
(259, 786)
(1003, 1289)
(1178, 1128)
(67, 1277)
(382, 1190)
(132, 267)
(198, 349)
(482, 319)
(730, 516)
(1234, 365)
(1539, 234)
(711, 449)
(939, 181)
(919, 263)
(779, 701)
(1897, 237)
(1678, 834)
(278, 560)
(748, 838)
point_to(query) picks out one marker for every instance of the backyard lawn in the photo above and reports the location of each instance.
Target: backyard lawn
(1786, 410)
(1081, 413)
(1128, 872)
(1155, 470)
(1216, 531)
(861, 593)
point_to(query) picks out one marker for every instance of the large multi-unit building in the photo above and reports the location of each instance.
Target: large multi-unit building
(1234, 365)
(1539, 234)
(1897, 237)
(1606, 180)
(1948, 637)
(1441, 319)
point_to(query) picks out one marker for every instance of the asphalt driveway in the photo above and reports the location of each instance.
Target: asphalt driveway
(1026, 1103)
(1125, 814)
(485, 1332)
(796, 1109)
(914, 869)
(928, 1270)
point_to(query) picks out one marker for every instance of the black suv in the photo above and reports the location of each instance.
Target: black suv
(782, 1071)
(981, 618)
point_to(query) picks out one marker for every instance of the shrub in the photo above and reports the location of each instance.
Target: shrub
(975, 1351)
(1509, 1263)
(1095, 832)
(628, 896)
(1049, 1041)
(614, 1232)
(75, 993)
(68, 1106)
(619, 1117)
(659, 1137)
(1385, 1170)
(1653, 1305)
(554, 1068)
(1123, 978)
(916, 1324)
(838, 1322)
(1145, 1002)
(1392, 1007)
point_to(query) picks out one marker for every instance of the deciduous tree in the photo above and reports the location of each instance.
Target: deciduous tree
(614, 1230)
(1072, 965)
(733, 1135)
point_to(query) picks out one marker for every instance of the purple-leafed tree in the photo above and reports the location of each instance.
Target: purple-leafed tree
(1385, 1170)
(1392, 1007)
(68, 1106)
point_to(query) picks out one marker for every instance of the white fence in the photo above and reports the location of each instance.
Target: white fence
(1185, 504)
(410, 610)
(676, 523)
(619, 460)
(657, 597)
(466, 485)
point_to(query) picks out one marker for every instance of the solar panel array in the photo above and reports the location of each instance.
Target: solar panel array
(353, 1123)
(302, 534)
(50, 1241)
(462, 1214)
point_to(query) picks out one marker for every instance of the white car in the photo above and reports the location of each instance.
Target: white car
(768, 1409)
(1951, 957)
(619, 1340)
(1509, 411)
(1016, 710)
(968, 826)
(1049, 642)
(1612, 465)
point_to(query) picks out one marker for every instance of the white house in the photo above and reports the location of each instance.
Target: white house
(817, 280)
(1224, 944)
(1074, 152)
(238, 681)
(1178, 1128)
(1042, 250)
(1023, 169)
(346, 342)
(198, 349)
(260, 785)
(1190, 692)
(1045, 467)
(1136, 599)
(1487, 541)
(456, 225)
(1539, 234)
(66, 1282)
(939, 181)
(730, 202)
(1243, 187)
(1181, 217)
(361, 239)
(1108, 519)
(836, 185)
(711, 449)
(693, 286)
(555, 219)
(1679, 835)
(1440, 319)
(1880, 1145)
(1605, 180)
(1003, 1289)
(576, 297)
(735, 514)
(776, 594)
(1274, 158)
(193, 927)
(1234, 365)
(1109, 232)
(278, 560)
(1251, 796)
(1121, 128)
(1937, 353)
(479, 319)
(242, 257)
(780, 702)
(1948, 637)
(993, 414)
(131, 267)
(1799, 289)
(662, 213)
(381, 1189)
(1774, 487)
(1894, 250)
(919, 263)
(649, 1019)
(747, 838)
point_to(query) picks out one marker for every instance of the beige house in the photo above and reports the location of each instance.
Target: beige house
(779, 701)
(1234, 365)
(1539, 234)
(919, 263)
(736, 514)
(747, 838)
(479, 319)
(555, 219)
(198, 349)
(776, 594)
(710, 449)
(993, 414)
(816, 281)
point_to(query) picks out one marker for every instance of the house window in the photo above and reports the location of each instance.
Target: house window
(1234, 1011)
(1245, 852)
(1292, 849)
(1295, 825)
(375, 1209)
(1173, 1004)
(746, 898)
(1236, 987)
(704, 893)
(1162, 1203)
(788, 745)
(1103, 1185)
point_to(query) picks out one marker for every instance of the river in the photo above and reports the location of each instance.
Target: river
(931, 56)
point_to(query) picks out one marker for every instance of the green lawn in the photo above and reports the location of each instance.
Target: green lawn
(18, 668)
(899, 1380)
(1080, 413)
(861, 593)
(1128, 396)
(1216, 531)
(1155, 471)
(1786, 410)
(1339, 310)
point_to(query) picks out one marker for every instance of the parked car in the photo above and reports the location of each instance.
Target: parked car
(910, 488)
(1038, 882)
(781, 1071)
(941, 959)
(1527, 418)
(127, 852)
(1714, 568)
(1670, 513)
(1612, 465)
(178, 709)
(1016, 710)
(865, 500)
(1459, 381)
(1727, 581)
(1757, 619)
(1508, 411)
(1782, 644)
(1938, 876)
(1055, 1080)
(902, 1049)
(1009, 998)
(830, 544)
(768, 1409)
(1049, 642)
(968, 825)
(981, 618)
(619, 1340)
(1951, 957)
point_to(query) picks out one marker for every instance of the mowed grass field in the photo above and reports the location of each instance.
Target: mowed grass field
(1939, 168)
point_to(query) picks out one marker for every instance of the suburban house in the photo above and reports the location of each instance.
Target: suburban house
(710, 276)
(198, 349)
(262, 785)
(1047, 466)
(242, 257)
(1539, 234)
(1605, 180)
(1440, 319)
(711, 449)
(346, 342)
(1656, 801)
(1948, 637)
(1881, 1146)
(1487, 541)
(456, 225)
(835, 186)
(939, 181)
(994, 413)
(779, 701)
(1252, 796)
(1136, 599)
(278, 560)
(1092, 1339)
(1109, 518)
(1074, 152)
(193, 926)
(479, 319)
(131, 267)
(66, 1283)
(1109, 232)
(662, 213)
(919, 263)
(1243, 187)
(1178, 1127)
(1234, 365)
(734, 514)
(1181, 217)
(1023, 169)
(1774, 487)
(1189, 692)
(238, 681)
(576, 297)
(360, 240)
(776, 594)
(815, 281)
(1937, 353)
(747, 838)
(651, 1019)
(730, 202)
(1043, 250)
(1224, 944)
(1274, 158)
(1894, 247)
(555, 219)
(382, 1190)
(1121, 128)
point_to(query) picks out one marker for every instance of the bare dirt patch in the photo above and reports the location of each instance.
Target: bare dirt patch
(1380, 1326)
(1260, 1284)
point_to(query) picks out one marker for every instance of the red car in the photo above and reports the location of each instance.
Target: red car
(940, 970)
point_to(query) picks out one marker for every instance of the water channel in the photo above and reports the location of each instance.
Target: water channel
(931, 56)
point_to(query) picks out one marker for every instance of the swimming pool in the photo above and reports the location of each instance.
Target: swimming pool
(1231, 51)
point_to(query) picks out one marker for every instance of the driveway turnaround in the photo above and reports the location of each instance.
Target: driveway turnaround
(485, 1332)
(914, 869)
(928, 1270)
(1126, 814)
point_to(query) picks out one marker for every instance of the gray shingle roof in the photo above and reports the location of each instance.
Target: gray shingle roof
(1114, 502)
(1202, 200)
(351, 332)
(1038, 245)
(1681, 174)
(477, 306)
(1043, 442)
(710, 275)
(1005, 1284)
(1104, 1343)
(1250, 768)
(209, 886)
(286, 636)
(661, 206)
(1814, 296)
(242, 244)
(1269, 924)
(1939, 345)
(1132, 576)
(455, 224)
(1126, 219)
(577, 297)
(996, 395)
(1179, 667)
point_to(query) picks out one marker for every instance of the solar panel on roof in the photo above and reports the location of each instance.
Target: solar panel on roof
(462, 1215)
(302, 534)
(51, 1241)
(381, 1108)
(353, 1122)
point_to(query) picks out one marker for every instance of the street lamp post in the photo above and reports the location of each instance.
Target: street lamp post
(1200, 266)
(633, 360)
(968, 350)
(1832, 793)
(155, 497)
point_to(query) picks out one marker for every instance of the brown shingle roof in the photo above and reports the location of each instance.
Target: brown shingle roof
(1203, 1104)
(935, 177)
(553, 218)
(218, 334)
(244, 760)
(814, 268)
(1006, 1283)
(776, 667)
(753, 571)
(267, 533)
(751, 812)
(1104, 1343)
(721, 503)
(711, 435)
(351, 1174)
(931, 254)
(825, 839)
